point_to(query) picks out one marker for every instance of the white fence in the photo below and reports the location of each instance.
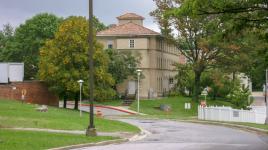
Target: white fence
(255, 115)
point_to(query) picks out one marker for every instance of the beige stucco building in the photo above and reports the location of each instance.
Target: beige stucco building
(156, 55)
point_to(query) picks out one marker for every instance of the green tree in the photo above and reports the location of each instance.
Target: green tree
(64, 60)
(121, 66)
(23, 45)
(197, 37)
(246, 22)
(98, 26)
(220, 83)
(29, 38)
(7, 43)
(257, 71)
(239, 97)
(241, 13)
(184, 79)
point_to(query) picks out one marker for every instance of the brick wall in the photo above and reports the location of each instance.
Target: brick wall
(37, 92)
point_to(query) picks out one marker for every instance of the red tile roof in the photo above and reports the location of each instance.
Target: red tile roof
(130, 16)
(128, 29)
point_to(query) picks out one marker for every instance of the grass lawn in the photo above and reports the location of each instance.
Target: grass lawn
(28, 140)
(151, 107)
(16, 114)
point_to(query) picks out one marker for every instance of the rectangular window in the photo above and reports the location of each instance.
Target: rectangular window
(131, 43)
(161, 63)
(171, 80)
(110, 44)
(157, 62)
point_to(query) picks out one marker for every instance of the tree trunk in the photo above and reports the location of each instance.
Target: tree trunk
(214, 95)
(76, 101)
(196, 90)
(234, 73)
(64, 101)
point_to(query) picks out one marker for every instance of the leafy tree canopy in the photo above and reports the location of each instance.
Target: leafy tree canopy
(23, 44)
(28, 38)
(64, 61)
(122, 65)
(246, 23)
(7, 43)
(199, 38)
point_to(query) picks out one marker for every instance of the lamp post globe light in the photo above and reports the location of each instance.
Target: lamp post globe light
(91, 131)
(138, 90)
(80, 87)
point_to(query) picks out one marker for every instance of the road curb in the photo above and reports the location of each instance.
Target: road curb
(242, 127)
(118, 141)
(143, 133)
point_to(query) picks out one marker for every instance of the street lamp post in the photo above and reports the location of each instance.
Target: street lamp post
(80, 85)
(138, 97)
(91, 131)
(265, 95)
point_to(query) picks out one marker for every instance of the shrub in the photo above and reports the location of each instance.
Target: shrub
(239, 97)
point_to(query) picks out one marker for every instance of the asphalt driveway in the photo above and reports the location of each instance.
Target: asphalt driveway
(172, 135)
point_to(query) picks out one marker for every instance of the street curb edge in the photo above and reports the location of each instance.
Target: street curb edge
(242, 127)
(118, 141)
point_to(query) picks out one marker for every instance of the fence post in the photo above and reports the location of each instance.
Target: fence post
(230, 114)
(199, 112)
(219, 114)
(204, 112)
(255, 116)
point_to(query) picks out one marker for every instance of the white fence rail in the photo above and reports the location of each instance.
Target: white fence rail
(255, 115)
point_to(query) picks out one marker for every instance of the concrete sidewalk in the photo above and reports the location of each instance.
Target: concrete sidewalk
(257, 94)
(124, 135)
(258, 99)
(104, 109)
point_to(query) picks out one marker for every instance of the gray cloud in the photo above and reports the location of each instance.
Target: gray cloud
(16, 12)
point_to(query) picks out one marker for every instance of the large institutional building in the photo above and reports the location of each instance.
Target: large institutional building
(157, 57)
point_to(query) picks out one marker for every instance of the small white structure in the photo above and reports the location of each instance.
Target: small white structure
(4, 73)
(187, 106)
(255, 115)
(245, 81)
(11, 72)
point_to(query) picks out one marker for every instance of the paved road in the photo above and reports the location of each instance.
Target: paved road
(171, 135)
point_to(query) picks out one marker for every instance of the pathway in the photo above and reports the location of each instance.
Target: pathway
(105, 110)
(172, 135)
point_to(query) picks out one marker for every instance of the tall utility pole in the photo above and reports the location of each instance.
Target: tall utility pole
(265, 95)
(91, 131)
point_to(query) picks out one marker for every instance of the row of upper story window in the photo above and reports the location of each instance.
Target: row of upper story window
(163, 63)
(164, 46)
(131, 44)
(161, 45)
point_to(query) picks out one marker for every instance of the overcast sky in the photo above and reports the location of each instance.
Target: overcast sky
(16, 12)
